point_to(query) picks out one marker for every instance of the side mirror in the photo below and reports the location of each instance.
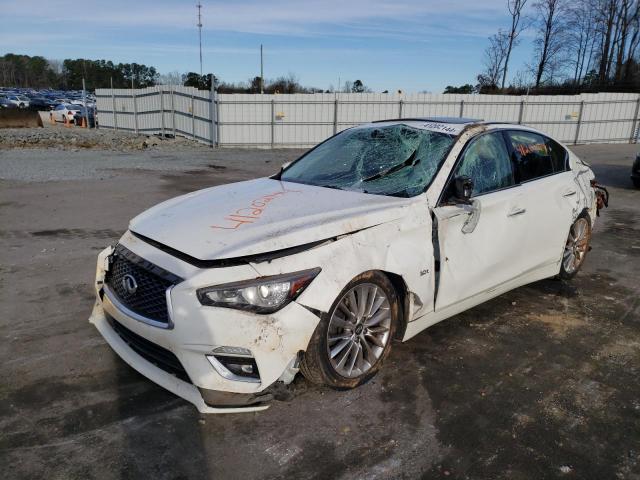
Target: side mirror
(463, 188)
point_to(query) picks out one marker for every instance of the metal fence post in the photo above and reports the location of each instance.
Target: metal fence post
(162, 110)
(193, 118)
(400, 108)
(113, 106)
(135, 111)
(521, 114)
(217, 119)
(273, 122)
(173, 113)
(634, 136)
(335, 116)
(211, 115)
(575, 140)
(461, 108)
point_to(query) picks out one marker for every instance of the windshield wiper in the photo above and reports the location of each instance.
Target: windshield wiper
(409, 162)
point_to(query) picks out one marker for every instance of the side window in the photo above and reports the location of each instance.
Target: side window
(532, 154)
(486, 161)
(559, 156)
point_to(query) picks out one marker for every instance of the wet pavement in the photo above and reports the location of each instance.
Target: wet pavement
(542, 382)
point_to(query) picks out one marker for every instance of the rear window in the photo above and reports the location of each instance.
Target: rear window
(559, 156)
(536, 156)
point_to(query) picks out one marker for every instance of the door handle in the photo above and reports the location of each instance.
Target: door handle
(516, 211)
(569, 193)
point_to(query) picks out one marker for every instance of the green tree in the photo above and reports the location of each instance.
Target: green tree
(467, 88)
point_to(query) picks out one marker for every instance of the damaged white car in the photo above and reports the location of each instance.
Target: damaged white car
(373, 235)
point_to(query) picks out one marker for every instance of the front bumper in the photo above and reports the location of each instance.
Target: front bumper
(274, 340)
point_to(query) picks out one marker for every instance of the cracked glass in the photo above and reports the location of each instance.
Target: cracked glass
(395, 160)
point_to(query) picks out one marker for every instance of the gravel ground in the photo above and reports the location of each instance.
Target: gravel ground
(76, 138)
(99, 154)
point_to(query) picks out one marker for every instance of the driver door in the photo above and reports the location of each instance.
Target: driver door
(481, 245)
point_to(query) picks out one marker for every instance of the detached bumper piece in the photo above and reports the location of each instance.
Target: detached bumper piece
(602, 196)
(217, 399)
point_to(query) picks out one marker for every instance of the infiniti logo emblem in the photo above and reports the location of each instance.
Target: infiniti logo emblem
(129, 284)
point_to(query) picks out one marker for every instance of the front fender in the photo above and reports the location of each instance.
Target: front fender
(402, 247)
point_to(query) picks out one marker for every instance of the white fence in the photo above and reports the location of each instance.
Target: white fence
(303, 120)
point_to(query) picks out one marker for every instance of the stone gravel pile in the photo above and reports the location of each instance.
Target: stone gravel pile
(79, 138)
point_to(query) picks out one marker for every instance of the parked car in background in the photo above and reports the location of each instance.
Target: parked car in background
(88, 113)
(41, 103)
(5, 103)
(65, 112)
(635, 172)
(375, 234)
(21, 101)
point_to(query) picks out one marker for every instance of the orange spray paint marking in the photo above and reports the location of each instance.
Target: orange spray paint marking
(252, 212)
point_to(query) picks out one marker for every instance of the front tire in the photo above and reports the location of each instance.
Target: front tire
(352, 340)
(576, 248)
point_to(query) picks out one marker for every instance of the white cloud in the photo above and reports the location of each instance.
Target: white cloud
(366, 18)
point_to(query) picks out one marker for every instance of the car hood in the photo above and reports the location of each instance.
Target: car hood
(260, 216)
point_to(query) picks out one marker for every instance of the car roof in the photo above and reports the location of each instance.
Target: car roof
(450, 125)
(451, 120)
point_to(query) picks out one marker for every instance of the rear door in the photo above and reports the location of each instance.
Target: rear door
(474, 263)
(549, 196)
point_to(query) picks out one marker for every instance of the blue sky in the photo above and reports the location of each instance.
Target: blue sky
(412, 45)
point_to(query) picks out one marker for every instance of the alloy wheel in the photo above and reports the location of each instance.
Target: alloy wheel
(576, 247)
(359, 330)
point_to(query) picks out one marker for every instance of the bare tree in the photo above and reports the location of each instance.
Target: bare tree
(606, 10)
(581, 37)
(627, 36)
(549, 39)
(616, 25)
(171, 78)
(515, 9)
(494, 60)
(634, 39)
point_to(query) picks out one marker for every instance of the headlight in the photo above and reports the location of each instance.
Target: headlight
(261, 295)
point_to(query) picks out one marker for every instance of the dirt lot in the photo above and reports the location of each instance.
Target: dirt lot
(543, 382)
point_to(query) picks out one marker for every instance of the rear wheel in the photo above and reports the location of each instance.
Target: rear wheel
(576, 248)
(354, 337)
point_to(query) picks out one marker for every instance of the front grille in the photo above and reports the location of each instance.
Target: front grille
(153, 353)
(149, 298)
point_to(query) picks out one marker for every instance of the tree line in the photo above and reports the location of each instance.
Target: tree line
(579, 45)
(38, 72)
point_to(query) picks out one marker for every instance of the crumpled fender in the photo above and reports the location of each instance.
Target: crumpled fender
(402, 247)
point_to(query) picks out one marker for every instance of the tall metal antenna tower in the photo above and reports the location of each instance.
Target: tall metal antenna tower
(199, 25)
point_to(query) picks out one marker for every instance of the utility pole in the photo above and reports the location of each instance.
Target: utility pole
(261, 72)
(199, 5)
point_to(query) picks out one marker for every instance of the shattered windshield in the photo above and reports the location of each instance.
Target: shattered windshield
(395, 160)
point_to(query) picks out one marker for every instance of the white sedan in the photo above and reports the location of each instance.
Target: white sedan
(19, 101)
(373, 235)
(65, 112)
